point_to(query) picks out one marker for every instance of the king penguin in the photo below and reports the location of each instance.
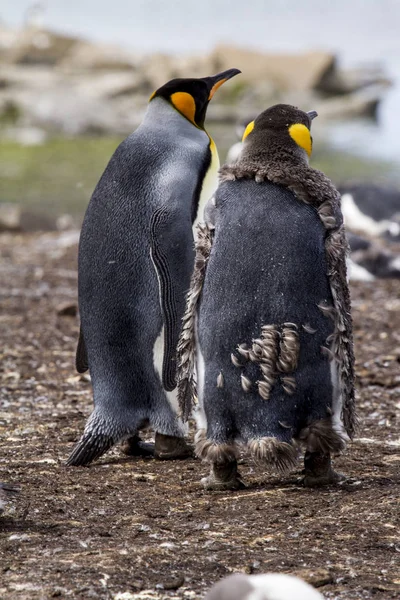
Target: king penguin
(135, 261)
(268, 314)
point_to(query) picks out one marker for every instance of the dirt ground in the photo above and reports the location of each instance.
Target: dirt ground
(138, 528)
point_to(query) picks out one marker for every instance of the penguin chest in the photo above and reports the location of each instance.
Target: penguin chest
(209, 185)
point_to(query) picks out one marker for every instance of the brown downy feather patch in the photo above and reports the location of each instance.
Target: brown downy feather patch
(289, 384)
(212, 452)
(276, 351)
(321, 436)
(313, 187)
(289, 346)
(280, 455)
(186, 351)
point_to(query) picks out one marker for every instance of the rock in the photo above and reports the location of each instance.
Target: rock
(287, 72)
(158, 68)
(97, 57)
(346, 81)
(65, 223)
(316, 577)
(35, 46)
(14, 218)
(10, 217)
(26, 136)
(363, 103)
(111, 85)
(67, 309)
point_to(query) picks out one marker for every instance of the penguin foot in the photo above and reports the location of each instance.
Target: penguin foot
(89, 447)
(331, 478)
(318, 470)
(170, 447)
(223, 476)
(134, 446)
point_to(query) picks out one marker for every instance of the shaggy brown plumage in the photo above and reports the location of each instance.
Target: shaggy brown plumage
(186, 350)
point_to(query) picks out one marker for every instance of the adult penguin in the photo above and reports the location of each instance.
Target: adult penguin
(268, 312)
(135, 261)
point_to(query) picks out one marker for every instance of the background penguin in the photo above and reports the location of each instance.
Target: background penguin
(135, 261)
(274, 334)
(266, 586)
(370, 260)
(372, 209)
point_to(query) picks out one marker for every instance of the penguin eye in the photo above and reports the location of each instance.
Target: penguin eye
(185, 104)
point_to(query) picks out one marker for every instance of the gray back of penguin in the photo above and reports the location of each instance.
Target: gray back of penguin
(267, 267)
(160, 165)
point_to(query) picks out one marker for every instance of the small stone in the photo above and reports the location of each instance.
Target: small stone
(67, 310)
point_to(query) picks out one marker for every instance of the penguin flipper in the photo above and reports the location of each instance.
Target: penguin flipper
(81, 359)
(172, 254)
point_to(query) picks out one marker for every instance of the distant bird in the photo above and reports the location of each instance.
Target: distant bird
(272, 331)
(268, 586)
(372, 209)
(135, 261)
(369, 260)
(7, 491)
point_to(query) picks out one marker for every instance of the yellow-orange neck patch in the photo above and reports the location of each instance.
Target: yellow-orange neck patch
(302, 136)
(248, 130)
(186, 105)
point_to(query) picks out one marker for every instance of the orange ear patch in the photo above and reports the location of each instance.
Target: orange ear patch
(302, 136)
(248, 130)
(185, 103)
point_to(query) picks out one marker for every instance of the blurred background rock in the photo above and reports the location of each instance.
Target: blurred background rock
(75, 78)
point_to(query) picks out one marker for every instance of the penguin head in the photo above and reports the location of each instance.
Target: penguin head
(190, 97)
(282, 127)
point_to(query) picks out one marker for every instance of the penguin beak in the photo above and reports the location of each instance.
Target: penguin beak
(216, 81)
(312, 114)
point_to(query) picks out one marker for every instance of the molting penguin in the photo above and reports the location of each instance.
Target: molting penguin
(369, 259)
(372, 209)
(271, 306)
(135, 261)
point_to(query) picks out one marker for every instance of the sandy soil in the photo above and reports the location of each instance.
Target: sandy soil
(138, 528)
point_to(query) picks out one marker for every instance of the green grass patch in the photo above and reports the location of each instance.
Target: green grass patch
(60, 175)
(56, 177)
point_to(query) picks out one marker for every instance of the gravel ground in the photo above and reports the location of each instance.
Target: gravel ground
(138, 528)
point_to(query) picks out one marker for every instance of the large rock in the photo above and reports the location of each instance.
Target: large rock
(97, 57)
(287, 72)
(33, 46)
(362, 103)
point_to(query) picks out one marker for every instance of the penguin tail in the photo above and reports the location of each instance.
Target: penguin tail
(89, 448)
(280, 455)
(99, 436)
